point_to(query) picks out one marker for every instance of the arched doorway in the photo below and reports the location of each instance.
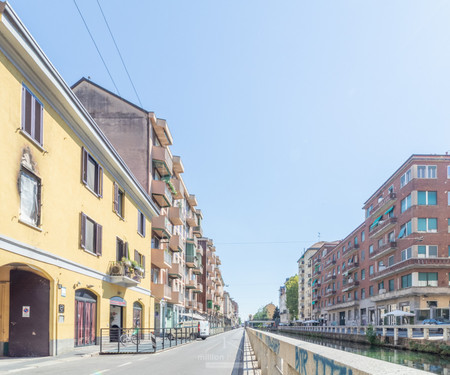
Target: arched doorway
(85, 317)
(116, 317)
(29, 314)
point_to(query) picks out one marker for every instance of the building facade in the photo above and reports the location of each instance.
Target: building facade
(73, 257)
(398, 258)
(284, 313)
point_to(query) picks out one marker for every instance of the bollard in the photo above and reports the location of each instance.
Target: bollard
(153, 341)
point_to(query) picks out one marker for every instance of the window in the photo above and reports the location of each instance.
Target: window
(32, 115)
(406, 281)
(370, 249)
(363, 255)
(448, 198)
(338, 254)
(121, 250)
(363, 236)
(391, 237)
(363, 293)
(405, 230)
(428, 251)
(369, 210)
(371, 290)
(30, 198)
(119, 201)
(448, 225)
(92, 174)
(91, 235)
(355, 276)
(406, 254)
(391, 285)
(427, 198)
(356, 240)
(405, 203)
(391, 261)
(363, 274)
(355, 295)
(371, 270)
(405, 178)
(380, 286)
(448, 171)
(427, 224)
(426, 171)
(339, 270)
(428, 279)
(141, 223)
(380, 242)
(140, 259)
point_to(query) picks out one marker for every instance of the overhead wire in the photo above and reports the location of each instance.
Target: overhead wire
(95, 44)
(118, 51)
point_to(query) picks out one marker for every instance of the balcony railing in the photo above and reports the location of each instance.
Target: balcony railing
(178, 166)
(176, 243)
(161, 258)
(411, 264)
(330, 277)
(162, 160)
(161, 193)
(162, 226)
(352, 266)
(191, 284)
(191, 218)
(383, 250)
(176, 271)
(350, 249)
(329, 263)
(162, 291)
(162, 131)
(329, 292)
(381, 206)
(197, 231)
(350, 285)
(175, 216)
(177, 297)
(382, 227)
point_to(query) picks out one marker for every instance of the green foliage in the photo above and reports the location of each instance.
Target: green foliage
(292, 296)
(371, 335)
(262, 314)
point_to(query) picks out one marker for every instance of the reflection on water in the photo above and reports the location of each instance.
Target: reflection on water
(423, 361)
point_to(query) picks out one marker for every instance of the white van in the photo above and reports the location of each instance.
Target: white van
(199, 326)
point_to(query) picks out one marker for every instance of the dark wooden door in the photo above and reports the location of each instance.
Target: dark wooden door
(29, 315)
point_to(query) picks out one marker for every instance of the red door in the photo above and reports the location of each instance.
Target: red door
(85, 317)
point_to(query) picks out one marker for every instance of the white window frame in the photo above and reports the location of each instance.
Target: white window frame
(427, 251)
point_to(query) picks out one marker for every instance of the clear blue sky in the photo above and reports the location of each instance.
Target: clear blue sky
(287, 114)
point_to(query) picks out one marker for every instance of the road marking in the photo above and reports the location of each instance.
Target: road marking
(141, 359)
(125, 364)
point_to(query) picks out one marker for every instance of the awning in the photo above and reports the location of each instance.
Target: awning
(117, 301)
(388, 211)
(375, 223)
(314, 282)
(402, 232)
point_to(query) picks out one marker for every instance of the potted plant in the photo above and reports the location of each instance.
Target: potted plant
(126, 262)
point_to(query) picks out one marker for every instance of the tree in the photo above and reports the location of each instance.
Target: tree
(261, 314)
(292, 296)
(276, 313)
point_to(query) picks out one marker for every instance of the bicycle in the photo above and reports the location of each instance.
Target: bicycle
(133, 337)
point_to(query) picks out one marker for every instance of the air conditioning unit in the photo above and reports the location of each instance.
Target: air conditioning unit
(382, 291)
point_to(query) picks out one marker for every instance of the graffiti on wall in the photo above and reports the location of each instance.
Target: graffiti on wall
(321, 365)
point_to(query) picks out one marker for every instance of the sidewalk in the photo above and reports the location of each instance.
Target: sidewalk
(12, 365)
(250, 362)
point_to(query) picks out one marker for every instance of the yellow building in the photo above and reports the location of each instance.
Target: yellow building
(75, 224)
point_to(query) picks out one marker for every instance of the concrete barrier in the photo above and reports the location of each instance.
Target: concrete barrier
(283, 355)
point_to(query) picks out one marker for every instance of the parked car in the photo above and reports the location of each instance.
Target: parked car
(190, 328)
(436, 321)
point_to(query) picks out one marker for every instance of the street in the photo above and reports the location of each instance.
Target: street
(220, 354)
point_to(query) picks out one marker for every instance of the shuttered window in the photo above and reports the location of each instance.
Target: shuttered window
(91, 173)
(121, 250)
(32, 116)
(91, 235)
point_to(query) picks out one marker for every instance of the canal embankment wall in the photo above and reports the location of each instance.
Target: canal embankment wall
(278, 354)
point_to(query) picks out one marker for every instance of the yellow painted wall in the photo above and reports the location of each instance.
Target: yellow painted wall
(64, 197)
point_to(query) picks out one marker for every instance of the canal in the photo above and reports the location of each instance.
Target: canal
(424, 361)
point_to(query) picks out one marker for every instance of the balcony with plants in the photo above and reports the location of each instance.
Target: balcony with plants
(125, 273)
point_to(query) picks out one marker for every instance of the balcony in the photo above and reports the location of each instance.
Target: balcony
(176, 243)
(199, 251)
(352, 266)
(177, 298)
(191, 304)
(317, 260)
(218, 261)
(161, 291)
(192, 200)
(210, 268)
(179, 188)
(329, 263)
(383, 205)
(412, 263)
(178, 166)
(123, 275)
(209, 254)
(330, 293)
(193, 241)
(198, 288)
(161, 258)
(191, 218)
(191, 284)
(175, 215)
(382, 227)
(200, 306)
(209, 297)
(161, 193)
(351, 249)
(198, 231)
(176, 271)
(209, 283)
(162, 132)
(351, 284)
(162, 160)
(162, 226)
(383, 250)
(329, 277)
(199, 269)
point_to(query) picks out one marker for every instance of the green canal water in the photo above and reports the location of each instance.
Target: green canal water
(424, 361)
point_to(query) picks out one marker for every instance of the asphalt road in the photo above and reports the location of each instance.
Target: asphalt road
(218, 355)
